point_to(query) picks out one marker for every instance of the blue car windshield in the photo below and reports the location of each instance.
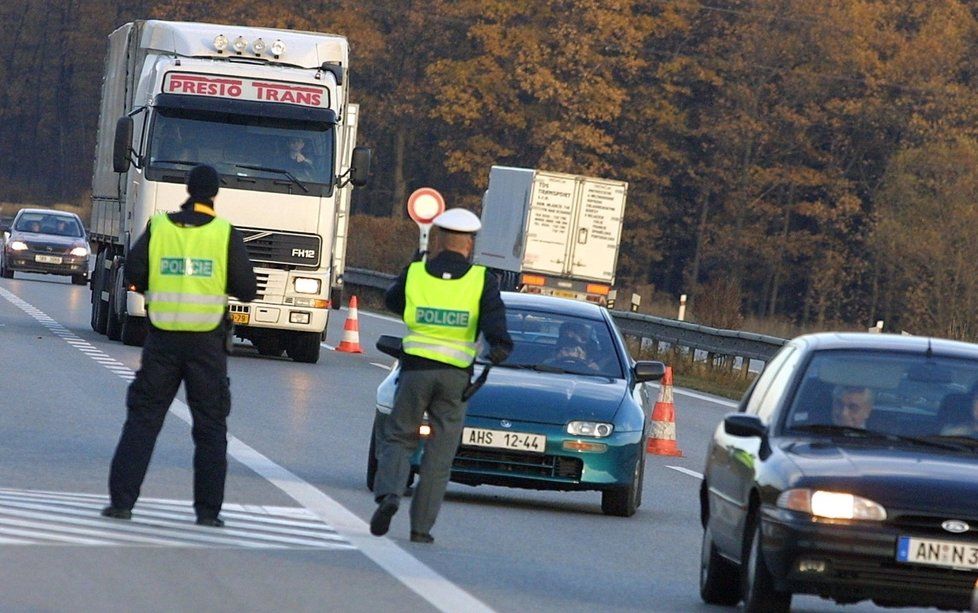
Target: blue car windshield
(561, 343)
(895, 393)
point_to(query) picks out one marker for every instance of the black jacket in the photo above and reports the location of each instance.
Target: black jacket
(242, 283)
(492, 311)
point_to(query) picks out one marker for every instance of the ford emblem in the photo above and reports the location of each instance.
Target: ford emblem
(956, 526)
(505, 423)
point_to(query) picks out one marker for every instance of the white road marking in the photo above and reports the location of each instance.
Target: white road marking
(70, 519)
(714, 399)
(384, 366)
(411, 572)
(686, 471)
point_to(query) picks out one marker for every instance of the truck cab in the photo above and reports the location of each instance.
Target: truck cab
(270, 111)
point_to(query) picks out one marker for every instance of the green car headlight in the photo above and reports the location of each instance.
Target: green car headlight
(596, 429)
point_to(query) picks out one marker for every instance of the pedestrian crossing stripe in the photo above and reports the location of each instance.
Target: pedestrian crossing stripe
(34, 517)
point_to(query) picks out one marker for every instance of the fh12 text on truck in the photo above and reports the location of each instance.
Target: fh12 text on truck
(240, 99)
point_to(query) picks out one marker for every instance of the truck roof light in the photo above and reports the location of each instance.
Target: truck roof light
(258, 46)
(240, 44)
(278, 47)
(220, 42)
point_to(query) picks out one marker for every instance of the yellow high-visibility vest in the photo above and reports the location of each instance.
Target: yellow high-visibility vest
(187, 274)
(442, 315)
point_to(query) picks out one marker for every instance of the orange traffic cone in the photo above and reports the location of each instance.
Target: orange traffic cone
(351, 331)
(662, 439)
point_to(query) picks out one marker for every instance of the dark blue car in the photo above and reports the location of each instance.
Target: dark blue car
(849, 472)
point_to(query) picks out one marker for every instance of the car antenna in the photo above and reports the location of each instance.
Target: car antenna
(930, 350)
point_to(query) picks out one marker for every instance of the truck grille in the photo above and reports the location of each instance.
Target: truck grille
(282, 249)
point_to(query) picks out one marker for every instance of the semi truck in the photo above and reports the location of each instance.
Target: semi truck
(551, 233)
(270, 110)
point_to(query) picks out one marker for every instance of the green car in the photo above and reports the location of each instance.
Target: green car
(550, 417)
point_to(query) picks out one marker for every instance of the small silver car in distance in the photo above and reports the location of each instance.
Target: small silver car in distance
(48, 242)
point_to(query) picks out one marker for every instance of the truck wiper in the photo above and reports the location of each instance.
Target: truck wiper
(180, 162)
(275, 170)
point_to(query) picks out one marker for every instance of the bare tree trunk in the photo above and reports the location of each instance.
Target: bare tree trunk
(693, 273)
(400, 184)
(779, 261)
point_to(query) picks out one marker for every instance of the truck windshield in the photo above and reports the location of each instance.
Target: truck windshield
(251, 152)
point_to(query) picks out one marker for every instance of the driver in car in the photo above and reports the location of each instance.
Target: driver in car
(572, 347)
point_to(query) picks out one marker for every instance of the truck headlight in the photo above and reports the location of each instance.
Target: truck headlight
(831, 505)
(18, 246)
(594, 429)
(305, 285)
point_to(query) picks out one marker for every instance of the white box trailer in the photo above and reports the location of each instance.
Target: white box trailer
(236, 97)
(552, 233)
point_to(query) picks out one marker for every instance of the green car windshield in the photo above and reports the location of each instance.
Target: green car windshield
(553, 342)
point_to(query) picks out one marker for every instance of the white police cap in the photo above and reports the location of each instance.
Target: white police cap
(458, 220)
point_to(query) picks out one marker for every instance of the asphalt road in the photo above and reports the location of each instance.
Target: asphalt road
(296, 506)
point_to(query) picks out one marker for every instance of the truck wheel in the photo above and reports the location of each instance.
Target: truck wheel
(270, 346)
(113, 324)
(304, 347)
(100, 308)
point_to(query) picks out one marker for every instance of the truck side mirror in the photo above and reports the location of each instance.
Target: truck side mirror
(122, 144)
(360, 166)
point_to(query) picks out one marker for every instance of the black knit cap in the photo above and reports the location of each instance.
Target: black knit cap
(203, 182)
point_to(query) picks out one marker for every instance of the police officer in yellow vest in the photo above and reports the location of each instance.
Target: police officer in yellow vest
(186, 264)
(445, 302)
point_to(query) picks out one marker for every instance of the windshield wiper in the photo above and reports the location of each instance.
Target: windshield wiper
(180, 162)
(275, 170)
(957, 440)
(874, 434)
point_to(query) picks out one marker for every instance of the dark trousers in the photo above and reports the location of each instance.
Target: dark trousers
(199, 360)
(439, 392)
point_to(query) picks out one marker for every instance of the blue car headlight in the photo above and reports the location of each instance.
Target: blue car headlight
(831, 505)
(596, 429)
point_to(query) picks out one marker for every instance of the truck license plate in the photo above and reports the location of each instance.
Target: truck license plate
(502, 439)
(239, 318)
(947, 554)
(47, 259)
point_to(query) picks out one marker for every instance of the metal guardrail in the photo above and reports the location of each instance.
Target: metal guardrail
(714, 341)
